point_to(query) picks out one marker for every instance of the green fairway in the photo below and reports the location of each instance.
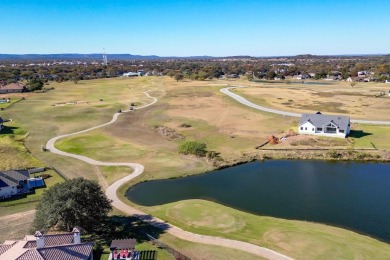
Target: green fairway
(297, 239)
(13, 99)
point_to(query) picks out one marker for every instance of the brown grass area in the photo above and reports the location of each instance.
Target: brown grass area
(339, 98)
(16, 226)
(221, 123)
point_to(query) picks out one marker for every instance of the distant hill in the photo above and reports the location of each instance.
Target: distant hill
(98, 56)
(93, 56)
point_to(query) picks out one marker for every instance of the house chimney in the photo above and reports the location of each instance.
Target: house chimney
(76, 236)
(40, 239)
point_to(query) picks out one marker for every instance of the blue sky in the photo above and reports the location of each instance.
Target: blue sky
(185, 28)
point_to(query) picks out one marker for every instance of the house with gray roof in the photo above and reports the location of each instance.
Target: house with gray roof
(10, 181)
(46, 247)
(16, 182)
(324, 125)
(1, 123)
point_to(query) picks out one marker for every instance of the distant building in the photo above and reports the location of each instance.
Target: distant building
(131, 74)
(324, 125)
(141, 72)
(301, 76)
(13, 88)
(46, 247)
(387, 81)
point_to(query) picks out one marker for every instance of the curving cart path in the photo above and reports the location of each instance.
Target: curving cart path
(111, 193)
(246, 102)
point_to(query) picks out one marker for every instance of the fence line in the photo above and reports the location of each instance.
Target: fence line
(157, 243)
(59, 173)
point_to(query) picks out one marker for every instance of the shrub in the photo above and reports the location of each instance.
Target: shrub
(185, 125)
(192, 147)
(334, 154)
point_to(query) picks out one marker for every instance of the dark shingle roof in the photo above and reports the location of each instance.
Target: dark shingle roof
(320, 120)
(68, 252)
(123, 244)
(12, 178)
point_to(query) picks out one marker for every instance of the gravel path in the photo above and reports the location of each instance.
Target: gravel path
(173, 230)
(246, 102)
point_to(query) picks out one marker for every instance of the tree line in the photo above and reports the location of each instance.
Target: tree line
(261, 68)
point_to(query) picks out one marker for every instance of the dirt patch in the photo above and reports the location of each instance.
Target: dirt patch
(168, 133)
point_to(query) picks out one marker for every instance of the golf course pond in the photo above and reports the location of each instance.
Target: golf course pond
(351, 195)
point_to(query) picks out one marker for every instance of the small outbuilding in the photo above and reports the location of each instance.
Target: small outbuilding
(122, 248)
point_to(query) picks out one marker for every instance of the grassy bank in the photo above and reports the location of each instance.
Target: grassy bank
(301, 240)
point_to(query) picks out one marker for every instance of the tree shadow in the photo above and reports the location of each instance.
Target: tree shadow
(358, 134)
(124, 227)
(140, 227)
(8, 130)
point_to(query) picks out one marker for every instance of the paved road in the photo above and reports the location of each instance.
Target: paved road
(246, 102)
(173, 230)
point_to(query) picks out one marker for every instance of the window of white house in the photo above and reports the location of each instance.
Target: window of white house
(305, 128)
(341, 131)
(312, 129)
(319, 128)
(301, 128)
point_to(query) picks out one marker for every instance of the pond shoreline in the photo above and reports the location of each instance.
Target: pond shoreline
(335, 193)
(369, 155)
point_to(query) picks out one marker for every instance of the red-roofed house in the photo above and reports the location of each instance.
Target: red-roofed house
(13, 88)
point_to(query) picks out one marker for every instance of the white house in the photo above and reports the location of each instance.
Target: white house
(324, 125)
(387, 81)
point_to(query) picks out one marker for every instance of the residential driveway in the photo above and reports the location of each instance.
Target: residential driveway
(246, 102)
(111, 193)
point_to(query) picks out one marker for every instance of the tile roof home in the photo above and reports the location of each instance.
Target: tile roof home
(13, 88)
(324, 125)
(46, 247)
